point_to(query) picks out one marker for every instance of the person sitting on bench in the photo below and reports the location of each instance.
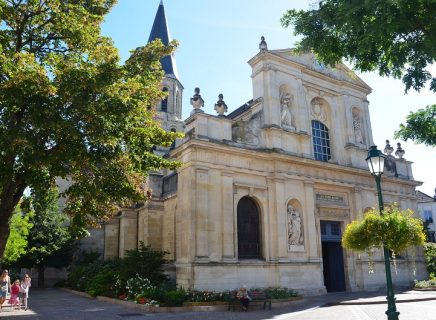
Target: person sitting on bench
(243, 296)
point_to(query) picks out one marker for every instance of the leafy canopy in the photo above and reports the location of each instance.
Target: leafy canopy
(49, 234)
(69, 109)
(397, 38)
(16, 245)
(420, 126)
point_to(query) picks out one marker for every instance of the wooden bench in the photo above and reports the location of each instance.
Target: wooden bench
(256, 297)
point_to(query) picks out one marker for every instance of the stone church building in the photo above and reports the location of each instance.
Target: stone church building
(265, 191)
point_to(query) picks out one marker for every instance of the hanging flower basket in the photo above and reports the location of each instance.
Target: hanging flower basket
(396, 230)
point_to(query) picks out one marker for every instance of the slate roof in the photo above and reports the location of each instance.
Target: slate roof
(423, 197)
(161, 31)
(240, 110)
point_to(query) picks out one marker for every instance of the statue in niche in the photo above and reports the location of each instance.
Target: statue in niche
(357, 126)
(286, 115)
(295, 233)
(317, 110)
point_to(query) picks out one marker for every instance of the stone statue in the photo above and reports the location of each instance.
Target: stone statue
(286, 115)
(262, 45)
(388, 149)
(220, 106)
(317, 110)
(400, 151)
(357, 127)
(197, 101)
(295, 233)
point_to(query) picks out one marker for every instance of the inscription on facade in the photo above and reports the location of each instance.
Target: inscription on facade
(330, 199)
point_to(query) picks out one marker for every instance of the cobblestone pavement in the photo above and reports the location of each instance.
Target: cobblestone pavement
(55, 304)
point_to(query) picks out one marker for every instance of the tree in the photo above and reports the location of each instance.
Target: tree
(396, 38)
(49, 242)
(69, 109)
(420, 126)
(17, 240)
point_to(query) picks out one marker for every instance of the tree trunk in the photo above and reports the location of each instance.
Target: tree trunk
(41, 278)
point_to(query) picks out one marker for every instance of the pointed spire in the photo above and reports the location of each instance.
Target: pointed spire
(161, 31)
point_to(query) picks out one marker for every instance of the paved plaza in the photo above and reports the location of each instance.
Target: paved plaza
(53, 304)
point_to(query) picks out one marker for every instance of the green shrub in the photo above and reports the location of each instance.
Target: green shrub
(279, 293)
(430, 257)
(431, 283)
(102, 284)
(97, 278)
(145, 262)
(175, 298)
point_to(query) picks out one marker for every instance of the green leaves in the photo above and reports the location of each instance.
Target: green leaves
(420, 126)
(69, 109)
(396, 230)
(395, 37)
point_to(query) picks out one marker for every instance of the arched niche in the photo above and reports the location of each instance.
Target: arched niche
(295, 225)
(358, 129)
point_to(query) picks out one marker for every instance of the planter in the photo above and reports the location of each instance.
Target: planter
(425, 289)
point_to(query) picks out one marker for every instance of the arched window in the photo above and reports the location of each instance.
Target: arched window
(164, 102)
(321, 141)
(173, 145)
(248, 229)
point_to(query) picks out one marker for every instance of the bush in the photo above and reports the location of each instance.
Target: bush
(145, 262)
(280, 293)
(430, 257)
(139, 286)
(175, 298)
(96, 278)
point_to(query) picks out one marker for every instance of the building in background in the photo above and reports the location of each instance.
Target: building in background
(266, 191)
(427, 210)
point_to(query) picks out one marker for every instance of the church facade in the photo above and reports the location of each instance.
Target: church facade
(265, 191)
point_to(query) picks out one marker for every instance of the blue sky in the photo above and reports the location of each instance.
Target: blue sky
(217, 38)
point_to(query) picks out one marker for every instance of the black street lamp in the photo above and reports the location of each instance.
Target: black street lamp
(376, 162)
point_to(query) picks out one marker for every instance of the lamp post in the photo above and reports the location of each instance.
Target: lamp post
(376, 162)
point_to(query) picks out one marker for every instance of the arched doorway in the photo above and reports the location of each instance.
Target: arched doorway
(248, 229)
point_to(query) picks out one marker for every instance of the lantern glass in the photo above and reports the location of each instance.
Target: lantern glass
(376, 161)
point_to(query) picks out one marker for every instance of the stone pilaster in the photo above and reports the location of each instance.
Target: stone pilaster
(281, 237)
(311, 243)
(228, 216)
(272, 254)
(201, 214)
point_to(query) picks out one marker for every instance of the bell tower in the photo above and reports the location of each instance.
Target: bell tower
(170, 108)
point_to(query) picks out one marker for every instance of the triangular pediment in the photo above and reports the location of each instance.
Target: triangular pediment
(339, 72)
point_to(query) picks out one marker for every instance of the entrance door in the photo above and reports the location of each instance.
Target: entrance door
(248, 229)
(332, 256)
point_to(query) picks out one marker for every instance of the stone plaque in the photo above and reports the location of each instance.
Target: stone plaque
(337, 200)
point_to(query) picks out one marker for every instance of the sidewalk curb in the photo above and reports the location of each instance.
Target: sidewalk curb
(151, 309)
(350, 303)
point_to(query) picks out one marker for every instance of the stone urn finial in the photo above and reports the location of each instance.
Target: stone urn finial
(197, 101)
(220, 106)
(400, 151)
(262, 45)
(388, 148)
